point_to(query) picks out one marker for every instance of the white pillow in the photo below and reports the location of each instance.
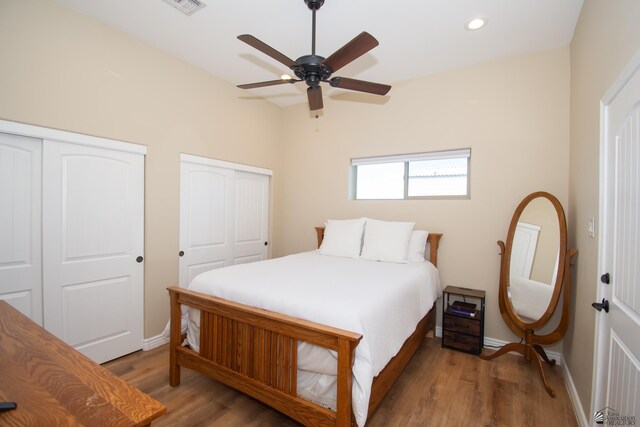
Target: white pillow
(342, 238)
(417, 246)
(386, 241)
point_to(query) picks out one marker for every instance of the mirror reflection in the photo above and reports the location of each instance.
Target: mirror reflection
(534, 259)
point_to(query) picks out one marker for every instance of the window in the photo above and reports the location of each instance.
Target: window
(441, 174)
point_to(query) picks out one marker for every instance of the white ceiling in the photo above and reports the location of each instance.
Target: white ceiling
(417, 37)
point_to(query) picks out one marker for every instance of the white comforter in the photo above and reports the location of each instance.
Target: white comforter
(382, 301)
(530, 298)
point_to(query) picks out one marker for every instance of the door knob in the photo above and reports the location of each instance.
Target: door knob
(605, 278)
(139, 259)
(601, 305)
(181, 253)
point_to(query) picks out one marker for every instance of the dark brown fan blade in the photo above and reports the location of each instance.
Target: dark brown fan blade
(359, 85)
(267, 50)
(269, 83)
(357, 47)
(315, 98)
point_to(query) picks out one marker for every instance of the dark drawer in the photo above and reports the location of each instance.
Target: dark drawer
(460, 324)
(461, 342)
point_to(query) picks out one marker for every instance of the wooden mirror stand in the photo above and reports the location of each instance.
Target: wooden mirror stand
(531, 344)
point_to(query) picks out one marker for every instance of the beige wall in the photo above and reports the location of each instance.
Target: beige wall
(63, 70)
(606, 37)
(513, 113)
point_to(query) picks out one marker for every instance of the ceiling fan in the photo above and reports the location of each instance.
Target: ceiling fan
(314, 69)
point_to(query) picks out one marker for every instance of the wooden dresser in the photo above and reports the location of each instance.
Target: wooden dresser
(53, 384)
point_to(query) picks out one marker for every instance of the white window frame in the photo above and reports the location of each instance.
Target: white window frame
(406, 159)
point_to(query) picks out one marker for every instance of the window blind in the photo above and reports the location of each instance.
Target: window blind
(400, 158)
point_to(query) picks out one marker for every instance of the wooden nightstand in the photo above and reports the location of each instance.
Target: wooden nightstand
(459, 331)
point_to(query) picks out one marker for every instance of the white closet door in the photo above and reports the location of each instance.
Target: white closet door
(251, 217)
(206, 218)
(223, 217)
(525, 242)
(93, 212)
(20, 224)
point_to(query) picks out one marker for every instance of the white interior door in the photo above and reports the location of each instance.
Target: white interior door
(20, 224)
(617, 389)
(206, 218)
(223, 216)
(525, 241)
(251, 217)
(93, 213)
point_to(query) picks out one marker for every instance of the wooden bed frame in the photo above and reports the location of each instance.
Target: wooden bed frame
(255, 351)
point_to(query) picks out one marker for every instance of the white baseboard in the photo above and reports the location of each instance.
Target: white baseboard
(573, 395)
(492, 342)
(153, 342)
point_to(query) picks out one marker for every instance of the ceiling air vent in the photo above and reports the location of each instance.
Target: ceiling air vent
(188, 7)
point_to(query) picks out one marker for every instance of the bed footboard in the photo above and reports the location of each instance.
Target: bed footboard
(255, 351)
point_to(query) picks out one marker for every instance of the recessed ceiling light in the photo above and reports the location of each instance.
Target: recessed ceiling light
(476, 24)
(285, 77)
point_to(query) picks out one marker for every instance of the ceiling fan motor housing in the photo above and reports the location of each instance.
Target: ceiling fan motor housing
(311, 69)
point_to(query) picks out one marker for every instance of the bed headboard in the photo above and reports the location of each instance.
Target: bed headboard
(433, 241)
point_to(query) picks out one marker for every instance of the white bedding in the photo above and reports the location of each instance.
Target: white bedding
(530, 298)
(382, 301)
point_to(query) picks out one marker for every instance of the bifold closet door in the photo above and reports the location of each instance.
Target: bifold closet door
(223, 218)
(20, 224)
(93, 224)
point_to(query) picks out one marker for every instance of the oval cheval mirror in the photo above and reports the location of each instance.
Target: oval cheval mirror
(534, 271)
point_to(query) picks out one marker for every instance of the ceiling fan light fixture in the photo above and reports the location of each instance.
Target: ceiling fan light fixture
(285, 77)
(476, 23)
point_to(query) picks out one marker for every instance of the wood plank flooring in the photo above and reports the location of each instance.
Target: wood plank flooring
(439, 387)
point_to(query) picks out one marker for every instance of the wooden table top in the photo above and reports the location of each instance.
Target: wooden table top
(457, 290)
(53, 384)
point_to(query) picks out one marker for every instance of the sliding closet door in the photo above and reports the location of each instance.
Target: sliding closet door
(20, 224)
(93, 200)
(206, 217)
(223, 217)
(251, 217)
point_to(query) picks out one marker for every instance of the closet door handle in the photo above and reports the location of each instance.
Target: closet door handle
(139, 259)
(181, 253)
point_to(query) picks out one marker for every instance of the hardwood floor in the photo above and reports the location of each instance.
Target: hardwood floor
(439, 387)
